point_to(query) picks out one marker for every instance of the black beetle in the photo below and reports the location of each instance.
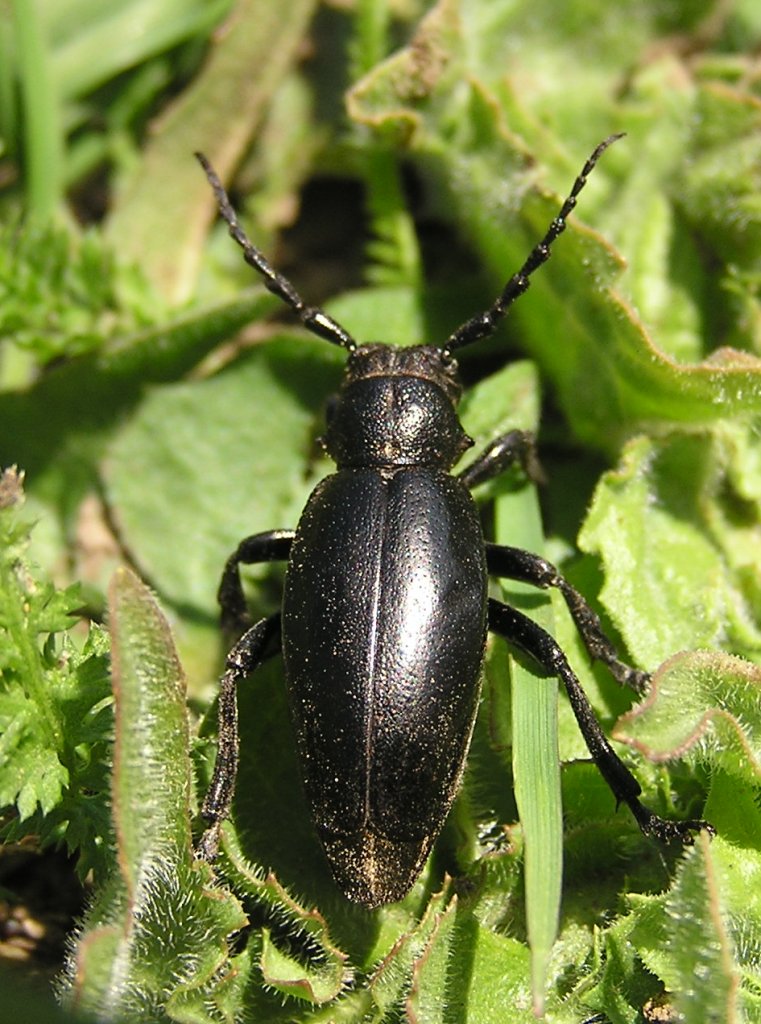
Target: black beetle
(385, 612)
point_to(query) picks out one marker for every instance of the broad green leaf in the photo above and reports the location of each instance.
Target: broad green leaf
(242, 473)
(676, 528)
(58, 428)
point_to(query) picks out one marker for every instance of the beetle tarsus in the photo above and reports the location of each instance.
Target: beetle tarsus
(666, 830)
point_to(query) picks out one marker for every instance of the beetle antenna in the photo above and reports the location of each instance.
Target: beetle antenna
(312, 317)
(483, 324)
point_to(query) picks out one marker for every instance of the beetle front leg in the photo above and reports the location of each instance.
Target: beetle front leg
(518, 629)
(515, 564)
(257, 644)
(273, 546)
(516, 446)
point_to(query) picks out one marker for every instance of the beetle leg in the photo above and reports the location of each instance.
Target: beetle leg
(257, 644)
(515, 564)
(514, 446)
(273, 546)
(518, 629)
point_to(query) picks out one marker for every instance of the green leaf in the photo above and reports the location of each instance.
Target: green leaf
(165, 478)
(151, 750)
(536, 764)
(58, 428)
(389, 982)
(699, 944)
(151, 226)
(705, 928)
(705, 706)
(673, 524)
(297, 956)
(154, 943)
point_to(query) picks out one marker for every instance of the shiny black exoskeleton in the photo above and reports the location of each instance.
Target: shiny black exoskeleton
(385, 612)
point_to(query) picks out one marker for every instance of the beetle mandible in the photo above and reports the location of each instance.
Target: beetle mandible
(385, 610)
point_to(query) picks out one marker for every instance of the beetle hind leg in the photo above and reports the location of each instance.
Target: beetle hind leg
(257, 644)
(518, 629)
